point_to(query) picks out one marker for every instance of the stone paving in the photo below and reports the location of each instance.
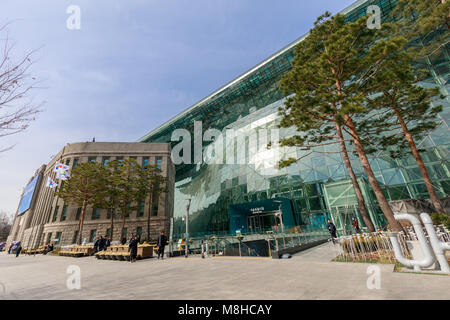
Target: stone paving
(308, 275)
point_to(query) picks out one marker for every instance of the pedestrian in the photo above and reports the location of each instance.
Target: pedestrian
(355, 225)
(332, 230)
(96, 245)
(19, 248)
(124, 240)
(132, 248)
(160, 244)
(138, 237)
(101, 244)
(10, 248)
(107, 242)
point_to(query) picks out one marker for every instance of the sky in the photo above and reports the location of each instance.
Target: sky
(133, 65)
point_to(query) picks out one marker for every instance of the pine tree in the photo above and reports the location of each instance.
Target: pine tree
(128, 178)
(154, 183)
(404, 112)
(330, 67)
(83, 188)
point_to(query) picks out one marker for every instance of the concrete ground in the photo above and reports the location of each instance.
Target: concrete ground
(308, 275)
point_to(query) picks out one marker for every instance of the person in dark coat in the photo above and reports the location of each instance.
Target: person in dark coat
(355, 225)
(101, 243)
(161, 243)
(124, 240)
(107, 242)
(133, 249)
(331, 229)
(19, 248)
(96, 245)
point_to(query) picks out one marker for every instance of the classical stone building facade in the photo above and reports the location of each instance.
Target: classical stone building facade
(48, 219)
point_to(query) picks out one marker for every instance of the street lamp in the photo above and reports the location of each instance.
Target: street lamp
(187, 228)
(279, 214)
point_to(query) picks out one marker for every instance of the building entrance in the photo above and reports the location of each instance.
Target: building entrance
(260, 222)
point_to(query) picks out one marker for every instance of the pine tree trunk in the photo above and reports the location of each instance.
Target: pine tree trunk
(80, 226)
(124, 214)
(384, 205)
(112, 225)
(423, 170)
(362, 206)
(149, 214)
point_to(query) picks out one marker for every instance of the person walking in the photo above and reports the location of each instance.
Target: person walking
(355, 225)
(107, 242)
(101, 243)
(18, 250)
(332, 230)
(133, 249)
(124, 240)
(96, 245)
(161, 243)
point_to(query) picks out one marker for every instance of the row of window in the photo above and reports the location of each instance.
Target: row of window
(95, 215)
(92, 235)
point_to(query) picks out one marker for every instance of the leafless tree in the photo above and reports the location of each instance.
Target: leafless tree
(17, 106)
(5, 225)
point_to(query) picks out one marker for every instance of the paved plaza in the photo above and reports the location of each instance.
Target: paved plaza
(308, 275)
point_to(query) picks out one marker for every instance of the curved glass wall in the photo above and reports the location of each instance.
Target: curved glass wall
(318, 184)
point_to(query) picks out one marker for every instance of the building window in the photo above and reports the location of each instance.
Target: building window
(67, 162)
(108, 232)
(75, 162)
(95, 213)
(145, 161)
(119, 159)
(139, 231)
(77, 217)
(58, 237)
(110, 211)
(64, 213)
(49, 237)
(124, 232)
(92, 159)
(92, 235)
(155, 209)
(105, 160)
(158, 162)
(55, 214)
(75, 237)
(50, 215)
(140, 212)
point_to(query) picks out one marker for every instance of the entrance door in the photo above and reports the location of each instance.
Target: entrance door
(254, 223)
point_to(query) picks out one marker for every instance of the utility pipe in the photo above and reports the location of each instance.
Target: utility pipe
(439, 247)
(416, 264)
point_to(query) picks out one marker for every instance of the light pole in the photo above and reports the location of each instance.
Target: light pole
(187, 228)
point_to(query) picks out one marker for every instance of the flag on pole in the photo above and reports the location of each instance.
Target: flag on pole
(62, 171)
(50, 183)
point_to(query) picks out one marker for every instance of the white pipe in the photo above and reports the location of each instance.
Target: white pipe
(438, 246)
(416, 264)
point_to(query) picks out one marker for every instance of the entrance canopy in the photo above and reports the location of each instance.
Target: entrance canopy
(260, 216)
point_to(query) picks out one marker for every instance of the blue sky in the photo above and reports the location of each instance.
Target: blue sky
(134, 65)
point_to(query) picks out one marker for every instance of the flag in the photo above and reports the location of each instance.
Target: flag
(50, 183)
(62, 171)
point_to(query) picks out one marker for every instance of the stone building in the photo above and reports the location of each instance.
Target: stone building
(42, 217)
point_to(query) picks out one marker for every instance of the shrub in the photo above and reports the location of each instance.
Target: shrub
(441, 218)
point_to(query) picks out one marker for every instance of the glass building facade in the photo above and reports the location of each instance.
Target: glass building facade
(317, 186)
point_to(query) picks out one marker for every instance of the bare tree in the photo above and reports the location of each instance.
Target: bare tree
(5, 225)
(17, 108)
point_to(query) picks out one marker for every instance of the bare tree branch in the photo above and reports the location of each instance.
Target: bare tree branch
(17, 107)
